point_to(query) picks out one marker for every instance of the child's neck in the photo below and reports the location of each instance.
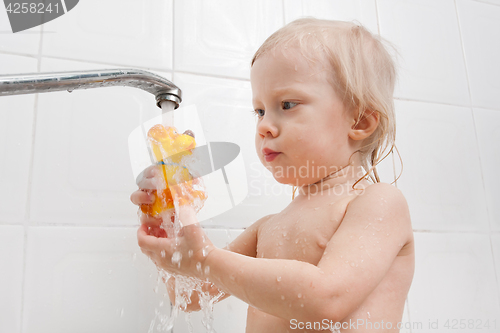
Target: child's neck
(345, 177)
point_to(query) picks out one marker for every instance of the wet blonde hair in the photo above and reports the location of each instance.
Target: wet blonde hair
(363, 75)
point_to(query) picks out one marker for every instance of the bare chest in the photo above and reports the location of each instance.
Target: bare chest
(302, 230)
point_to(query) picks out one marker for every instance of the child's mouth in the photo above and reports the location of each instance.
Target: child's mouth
(269, 154)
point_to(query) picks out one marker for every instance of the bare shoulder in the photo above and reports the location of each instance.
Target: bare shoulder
(384, 196)
(386, 207)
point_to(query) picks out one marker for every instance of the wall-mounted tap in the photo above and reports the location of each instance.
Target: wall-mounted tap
(164, 90)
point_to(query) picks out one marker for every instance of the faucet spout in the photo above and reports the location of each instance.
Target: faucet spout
(164, 90)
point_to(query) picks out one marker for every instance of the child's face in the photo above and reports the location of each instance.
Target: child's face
(300, 117)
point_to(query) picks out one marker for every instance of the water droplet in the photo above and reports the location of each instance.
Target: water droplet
(282, 297)
(368, 313)
(347, 290)
(232, 278)
(176, 257)
(207, 270)
(361, 247)
(278, 278)
(198, 266)
(190, 253)
(301, 305)
(162, 253)
(284, 234)
(353, 264)
(299, 295)
(316, 208)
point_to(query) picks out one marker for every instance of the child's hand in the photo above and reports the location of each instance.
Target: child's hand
(185, 255)
(147, 181)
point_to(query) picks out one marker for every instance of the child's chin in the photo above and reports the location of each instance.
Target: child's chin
(286, 181)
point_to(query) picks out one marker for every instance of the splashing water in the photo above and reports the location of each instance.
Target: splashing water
(184, 286)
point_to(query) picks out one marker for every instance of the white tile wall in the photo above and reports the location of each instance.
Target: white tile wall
(124, 32)
(24, 42)
(427, 35)
(84, 276)
(454, 280)
(495, 242)
(442, 177)
(495, 2)
(363, 11)
(488, 136)
(481, 32)
(16, 128)
(88, 280)
(220, 37)
(11, 277)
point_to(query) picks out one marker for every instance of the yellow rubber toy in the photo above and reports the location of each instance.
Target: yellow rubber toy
(178, 182)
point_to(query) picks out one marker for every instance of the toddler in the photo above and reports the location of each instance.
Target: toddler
(340, 256)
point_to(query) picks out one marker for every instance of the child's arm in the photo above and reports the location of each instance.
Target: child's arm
(374, 229)
(245, 244)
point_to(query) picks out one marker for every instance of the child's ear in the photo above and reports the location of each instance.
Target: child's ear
(365, 126)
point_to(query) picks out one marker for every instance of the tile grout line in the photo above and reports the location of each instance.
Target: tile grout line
(28, 196)
(378, 18)
(494, 266)
(472, 112)
(487, 3)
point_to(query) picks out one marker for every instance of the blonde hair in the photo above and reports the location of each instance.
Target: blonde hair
(364, 75)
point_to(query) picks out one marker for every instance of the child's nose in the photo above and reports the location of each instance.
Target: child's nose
(267, 126)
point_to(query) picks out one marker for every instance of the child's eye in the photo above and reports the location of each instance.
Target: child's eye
(259, 112)
(288, 105)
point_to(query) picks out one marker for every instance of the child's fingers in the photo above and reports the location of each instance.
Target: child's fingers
(151, 171)
(147, 178)
(148, 183)
(141, 197)
(152, 243)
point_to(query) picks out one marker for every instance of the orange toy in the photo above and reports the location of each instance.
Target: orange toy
(179, 183)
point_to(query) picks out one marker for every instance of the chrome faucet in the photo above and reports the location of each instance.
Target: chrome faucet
(164, 90)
